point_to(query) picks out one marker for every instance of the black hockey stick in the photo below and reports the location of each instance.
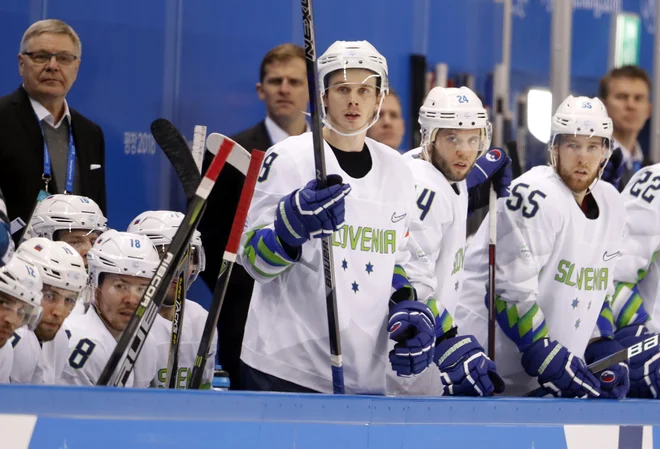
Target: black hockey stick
(134, 335)
(171, 375)
(319, 162)
(492, 240)
(622, 356)
(228, 260)
(173, 145)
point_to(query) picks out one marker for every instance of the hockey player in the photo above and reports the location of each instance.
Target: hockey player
(636, 304)
(76, 220)
(39, 356)
(160, 226)
(367, 209)
(20, 305)
(6, 242)
(455, 132)
(557, 237)
(121, 266)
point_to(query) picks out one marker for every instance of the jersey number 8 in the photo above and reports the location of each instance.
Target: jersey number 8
(83, 350)
(637, 187)
(265, 168)
(529, 205)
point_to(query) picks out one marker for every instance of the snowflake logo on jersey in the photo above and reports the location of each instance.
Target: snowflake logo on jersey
(493, 155)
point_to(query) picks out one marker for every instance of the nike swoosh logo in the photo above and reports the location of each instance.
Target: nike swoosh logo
(607, 257)
(396, 217)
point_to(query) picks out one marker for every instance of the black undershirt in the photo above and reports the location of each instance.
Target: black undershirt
(590, 207)
(355, 163)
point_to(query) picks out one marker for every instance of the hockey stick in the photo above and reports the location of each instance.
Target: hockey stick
(199, 139)
(173, 144)
(177, 323)
(319, 163)
(618, 357)
(134, 335)
(172, 369)
(228, 260)
(492, 237)
(239, 157)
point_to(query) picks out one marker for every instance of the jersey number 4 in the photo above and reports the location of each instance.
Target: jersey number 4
(521, 198)
(640, 184)
(424, 202)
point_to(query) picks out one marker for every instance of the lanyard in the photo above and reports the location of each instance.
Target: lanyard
(70, 163)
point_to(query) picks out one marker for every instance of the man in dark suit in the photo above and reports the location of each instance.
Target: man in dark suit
(283, 89)
(44, 144)
(626, 93)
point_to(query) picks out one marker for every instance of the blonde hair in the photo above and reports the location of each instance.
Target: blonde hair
(53, 26)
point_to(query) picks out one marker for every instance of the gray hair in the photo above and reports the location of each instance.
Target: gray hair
(53, 26)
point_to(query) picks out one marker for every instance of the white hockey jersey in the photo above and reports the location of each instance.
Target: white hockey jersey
(287, 331)
(28, 364)
(194, 318)
(637, 272)
(6, 362)
(436, 267)
(55, 354)
(554, 269)
(90, 346)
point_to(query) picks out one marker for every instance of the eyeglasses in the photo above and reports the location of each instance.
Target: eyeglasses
(42, 57)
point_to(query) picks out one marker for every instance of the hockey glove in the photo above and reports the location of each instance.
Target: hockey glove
(465, 370)
(6, 244)
(559, 371)
(493, 167)
(412, 326)
(614, 381)
(614, 169)
(645, 366)
(309, 213)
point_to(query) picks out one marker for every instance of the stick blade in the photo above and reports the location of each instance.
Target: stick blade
(239, 158)
(176, 149)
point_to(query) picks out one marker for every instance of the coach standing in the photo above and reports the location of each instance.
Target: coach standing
(46, 147)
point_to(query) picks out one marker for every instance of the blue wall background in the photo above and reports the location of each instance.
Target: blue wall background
(196, 62)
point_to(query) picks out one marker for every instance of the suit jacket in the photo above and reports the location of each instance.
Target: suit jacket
(22, 156)
(215, 227)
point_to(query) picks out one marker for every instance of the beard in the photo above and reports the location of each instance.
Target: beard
(445, 167)
(572, 182)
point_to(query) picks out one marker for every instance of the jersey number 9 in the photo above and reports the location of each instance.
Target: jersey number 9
(520, 198)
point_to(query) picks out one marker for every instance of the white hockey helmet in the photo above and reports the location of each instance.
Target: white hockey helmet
(582, 116)
(160, 226)
(66, 212)
(454, 108)
(20, 279)
(122, 253)
(343, 55)
(59, 263)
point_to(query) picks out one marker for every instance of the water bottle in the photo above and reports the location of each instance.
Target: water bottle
(220, 379)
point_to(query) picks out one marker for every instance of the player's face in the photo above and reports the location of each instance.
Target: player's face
(579, 159)
(49, 79)
(352, 99)
(82, 240)
(454, 152)
(628, 104)
(57, 303)
(117, 298)
(284, 89)
(389, 128)
(13, 313)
